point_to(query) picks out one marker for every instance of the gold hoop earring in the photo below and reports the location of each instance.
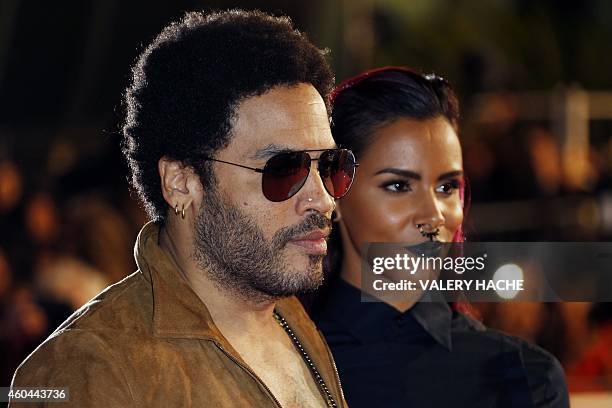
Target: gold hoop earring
(183, 212)
(176, 209)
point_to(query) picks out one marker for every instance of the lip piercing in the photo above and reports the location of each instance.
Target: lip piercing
(310, 200)
(429, 235)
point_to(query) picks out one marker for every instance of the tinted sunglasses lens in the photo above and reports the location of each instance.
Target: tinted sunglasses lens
(337, 170)
(284, 174)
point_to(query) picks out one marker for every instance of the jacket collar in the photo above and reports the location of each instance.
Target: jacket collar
(177, 310)
(179, 313)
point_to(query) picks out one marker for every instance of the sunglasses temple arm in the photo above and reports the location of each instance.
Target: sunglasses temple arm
(235, 164)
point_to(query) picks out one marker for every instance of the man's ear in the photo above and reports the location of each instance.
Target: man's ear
(177, 183)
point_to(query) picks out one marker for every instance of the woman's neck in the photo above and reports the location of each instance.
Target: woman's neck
(350, 272)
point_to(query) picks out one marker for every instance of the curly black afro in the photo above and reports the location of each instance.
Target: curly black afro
(188, 82)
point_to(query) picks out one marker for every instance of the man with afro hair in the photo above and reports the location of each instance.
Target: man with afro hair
(227, 138)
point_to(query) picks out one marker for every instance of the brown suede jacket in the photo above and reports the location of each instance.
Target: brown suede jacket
(149, 341)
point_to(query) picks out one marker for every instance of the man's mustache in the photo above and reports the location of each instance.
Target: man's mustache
(313, 222)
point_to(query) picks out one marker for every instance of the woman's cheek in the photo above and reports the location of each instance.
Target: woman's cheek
(454, 215)
(372, 217)
(390, 220)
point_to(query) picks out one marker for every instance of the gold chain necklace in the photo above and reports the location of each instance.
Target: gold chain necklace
(313, 369)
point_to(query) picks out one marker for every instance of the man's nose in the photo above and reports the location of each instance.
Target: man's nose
(313, 196)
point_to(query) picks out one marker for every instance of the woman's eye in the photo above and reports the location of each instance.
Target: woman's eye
(448, 188)
(397, 186)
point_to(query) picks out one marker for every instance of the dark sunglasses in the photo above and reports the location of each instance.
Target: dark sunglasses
(285, 173)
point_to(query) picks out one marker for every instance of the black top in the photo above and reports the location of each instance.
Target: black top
(431, 356)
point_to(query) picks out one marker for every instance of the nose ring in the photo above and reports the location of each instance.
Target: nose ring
(428, 234)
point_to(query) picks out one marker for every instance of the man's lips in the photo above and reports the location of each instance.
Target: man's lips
(315, 242)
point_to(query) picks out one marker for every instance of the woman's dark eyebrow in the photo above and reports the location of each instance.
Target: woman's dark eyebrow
(404, 173)
(450, 174)
(416, 176)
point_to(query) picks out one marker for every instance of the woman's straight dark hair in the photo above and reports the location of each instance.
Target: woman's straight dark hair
(362, 104)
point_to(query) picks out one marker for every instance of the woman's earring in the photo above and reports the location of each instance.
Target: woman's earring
(183, 212)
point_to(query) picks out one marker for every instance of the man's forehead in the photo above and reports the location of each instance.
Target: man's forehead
(286, 118)
(282, 102)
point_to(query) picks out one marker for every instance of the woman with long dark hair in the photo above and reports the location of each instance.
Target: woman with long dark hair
(403, 128)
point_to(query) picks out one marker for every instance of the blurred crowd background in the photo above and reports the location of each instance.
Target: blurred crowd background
(535, 82)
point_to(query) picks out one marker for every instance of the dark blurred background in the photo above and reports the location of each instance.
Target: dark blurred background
(535, 82)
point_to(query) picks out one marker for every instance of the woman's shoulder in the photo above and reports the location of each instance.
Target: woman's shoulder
(544, 373)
